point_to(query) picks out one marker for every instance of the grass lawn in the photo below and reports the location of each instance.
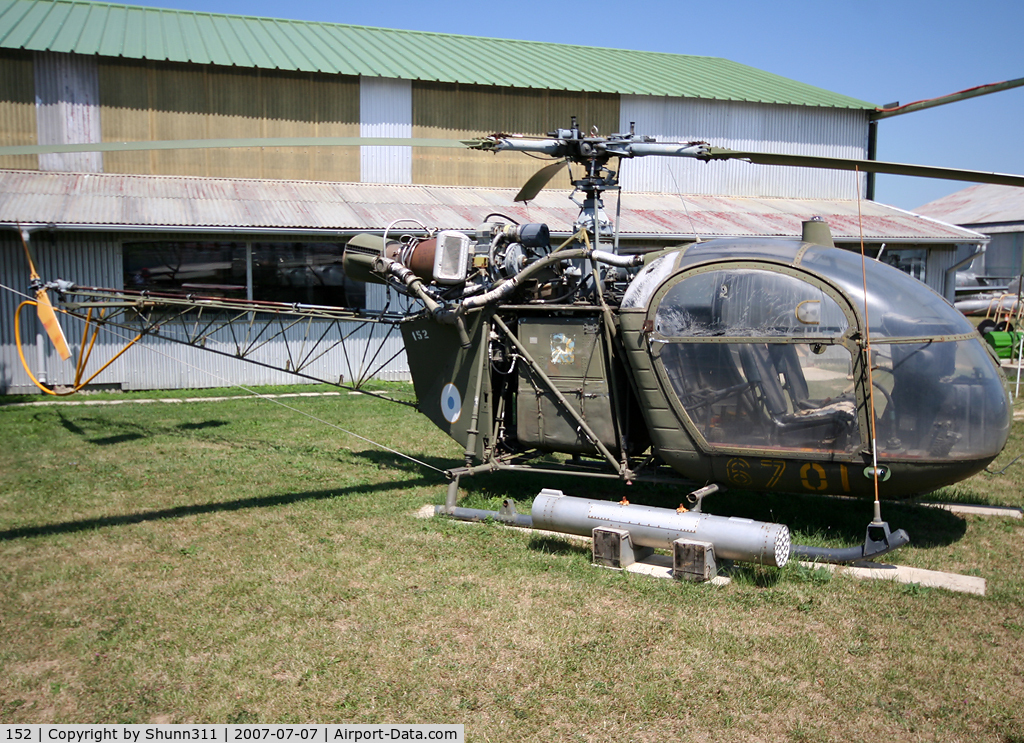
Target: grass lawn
(238, 561)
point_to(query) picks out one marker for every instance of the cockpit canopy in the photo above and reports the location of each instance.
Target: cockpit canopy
(760, 347)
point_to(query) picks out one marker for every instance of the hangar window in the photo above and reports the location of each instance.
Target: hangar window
(303, 272)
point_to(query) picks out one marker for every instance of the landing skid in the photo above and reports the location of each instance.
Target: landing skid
(878, 541)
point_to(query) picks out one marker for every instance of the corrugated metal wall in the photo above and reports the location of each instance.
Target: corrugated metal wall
(155, 101)
(801, 130)
(67, 110)
(94, 259)
(385, 110)
(86, 259)
(1003, 256)
(159, 363)
(444, 111)
(938, 261)
(17, 107)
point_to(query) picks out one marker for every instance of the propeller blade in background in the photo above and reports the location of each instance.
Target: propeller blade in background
(539, 179)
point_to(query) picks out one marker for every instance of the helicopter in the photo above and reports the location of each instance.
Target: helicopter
(767, 364)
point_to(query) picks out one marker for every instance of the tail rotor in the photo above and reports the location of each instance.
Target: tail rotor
(44, 308)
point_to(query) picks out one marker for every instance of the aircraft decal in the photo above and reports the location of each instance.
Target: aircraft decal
(451, 403)
(563, 349)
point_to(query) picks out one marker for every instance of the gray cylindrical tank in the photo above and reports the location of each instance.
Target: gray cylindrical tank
(733, 538)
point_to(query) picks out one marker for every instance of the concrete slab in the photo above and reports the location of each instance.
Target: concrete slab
(660, 566)
(904, 574)
(976, 510)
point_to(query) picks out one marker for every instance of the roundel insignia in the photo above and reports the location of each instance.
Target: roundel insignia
(451, 403)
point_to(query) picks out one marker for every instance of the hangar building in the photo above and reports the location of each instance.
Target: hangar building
(266, 220)
(994, 211)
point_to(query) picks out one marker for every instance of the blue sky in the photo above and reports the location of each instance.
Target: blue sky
(876, 50)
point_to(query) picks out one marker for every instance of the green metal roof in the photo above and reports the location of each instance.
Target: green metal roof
(134, 32)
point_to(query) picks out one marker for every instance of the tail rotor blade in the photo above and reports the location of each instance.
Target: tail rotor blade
(48, 317)
(33, 274)
(44, 308)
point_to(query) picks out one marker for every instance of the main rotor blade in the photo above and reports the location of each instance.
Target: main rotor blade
(868, 166)
(538, 180)
(205, 144)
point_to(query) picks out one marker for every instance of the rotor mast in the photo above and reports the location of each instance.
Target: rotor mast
(593, 152)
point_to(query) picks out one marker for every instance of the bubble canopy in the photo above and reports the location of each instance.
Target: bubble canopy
(760, 346)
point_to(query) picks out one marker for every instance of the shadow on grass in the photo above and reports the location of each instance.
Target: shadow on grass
(177, 512)
(839, 521)
(381, 458)
(553, 546)
(127, 431)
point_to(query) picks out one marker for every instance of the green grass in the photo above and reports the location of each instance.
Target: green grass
(238, 561)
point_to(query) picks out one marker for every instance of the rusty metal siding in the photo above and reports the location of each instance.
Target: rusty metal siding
(385, 110)
(745, 126)
(67, 109)
(253, 207)
(17, 107)
(155, 101)
(447, 111)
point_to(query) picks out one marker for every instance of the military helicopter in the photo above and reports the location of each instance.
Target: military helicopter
(765, 364)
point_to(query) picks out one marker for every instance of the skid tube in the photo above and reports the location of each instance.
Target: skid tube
(735, 538)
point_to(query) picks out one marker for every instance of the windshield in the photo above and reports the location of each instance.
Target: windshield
(782, 375)
(899, 306)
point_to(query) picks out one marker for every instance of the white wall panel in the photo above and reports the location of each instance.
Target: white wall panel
(385, 110)
(68, 109)
(744, 126)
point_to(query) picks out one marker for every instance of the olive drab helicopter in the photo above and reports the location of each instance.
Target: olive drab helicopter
(763, 364)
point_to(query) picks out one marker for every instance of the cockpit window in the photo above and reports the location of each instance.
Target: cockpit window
(747, 302)
(766, 395)
(762, 359)
(935, 401)
(788, 387)
(761, 346)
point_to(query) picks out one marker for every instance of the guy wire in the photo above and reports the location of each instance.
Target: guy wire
(867, 345)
